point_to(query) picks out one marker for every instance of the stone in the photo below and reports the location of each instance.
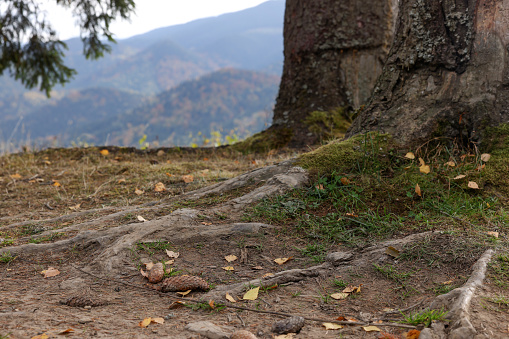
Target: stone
(338, 258)
(207, 329)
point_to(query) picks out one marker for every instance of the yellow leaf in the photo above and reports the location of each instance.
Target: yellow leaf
(140, 218)
(281, 261)
(158, 320)
(228, 268)
(230, 258)
(345, 181)
(145, 322)
(172, 254)
(418, 190)
(50, 272)
(393, 252)
(159, 187)
(211, 304)
(42, 336)
(332, 326)
(352, 289)
(339, 296)
(493, 234)
(230, 298)
(252, 294)
(424, 169)
(15, 176)
(485, 157)
(184, 293)
(410, 155)
(421, 161)
(104, 152)
(461, 176)
(266, 275)
(188, 178)
(56, 183)
(473, 185)
(138, 192)
(371, 329)
(450, 164)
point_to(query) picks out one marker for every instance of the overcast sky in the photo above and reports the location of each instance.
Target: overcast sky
(151, 14)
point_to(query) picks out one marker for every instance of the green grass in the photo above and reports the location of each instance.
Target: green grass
(499, 270)
(339, 283)
(152, 247)
(423, 318)
(47, 238)
(316, 252)
(6, 257)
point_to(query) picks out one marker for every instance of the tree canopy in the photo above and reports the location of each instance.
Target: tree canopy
(31, 50)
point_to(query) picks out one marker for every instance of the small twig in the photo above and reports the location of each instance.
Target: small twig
(265, 302)
(245, 308)
(48, 206)
(241, 320)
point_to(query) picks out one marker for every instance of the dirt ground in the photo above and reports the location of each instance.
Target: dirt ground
(96, 199)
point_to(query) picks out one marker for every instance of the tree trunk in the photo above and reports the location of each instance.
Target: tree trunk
(447, 74)
(334, 51)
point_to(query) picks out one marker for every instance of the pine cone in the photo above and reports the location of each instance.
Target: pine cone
(242, 334)
(156, 274)
(81, 301)
(182, 283)
(288, 325)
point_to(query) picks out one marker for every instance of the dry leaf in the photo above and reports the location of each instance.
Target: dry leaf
(138, 192)
(67, 331)
(418, 190)
(281, 261)
(371, 329)
(450, 163)
(345, 181)
(42, 336)
(485, 157)
(170, 175)
(392, 252)
(158, 320)
(230, 298)
(332, 326)
(285, 336)
(266, 275)
(257, 268)
(104, 152)
(473, 185)
(230, 258)
(228, 268)
(211, 304)
(205, 159)
(75, 208)
(15, 176)
(461, 176)
(177, 304)
(184, 293)
(140, 218)
(50, 272)
(493, 234)
(410, 155)
(56, 183)
(188, 178)
(149, 265)
(143, 273)
(421, 162)
(413, 334)
(319, 187)
(339, 296)
(352, 215)
(145, 322)
(252, 294)
(159, 187)
(352, 289)
(120, 181)
(169, 262)
(448, 282)
(424, 169)
(172, 254)
(206, 223)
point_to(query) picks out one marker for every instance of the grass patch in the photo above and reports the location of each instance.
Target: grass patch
(152, 247)
(499, 270)
(6, 257)
(425, 317)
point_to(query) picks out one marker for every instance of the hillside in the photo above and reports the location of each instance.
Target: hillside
(222, 101)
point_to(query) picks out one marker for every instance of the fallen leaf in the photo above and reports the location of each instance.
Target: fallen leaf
(257, 268)
(424, 169)
(149, 265)
(352, 215)
(145, 322)
(480, 168)
(42, 336)
(177, 304)
(140, 218)
(413, 334)
(188, 178)
(352, 289)
(319, 187)
(120, 181)
(211, 304)
(461, 176)
(169, 262)
(230, 298)
(56, 183)
(50, 272)
(371, 329)
(170, 175)
(172, 254)
(345, 181)
(392, 252)
(339, 296)
(228, 268)
(252, 294)
(493, 234)
(485, 157)
(143, 273)
(410, 155)
(159, 187)
(230, 258)
(421, 162)
(332, 326)
(206, 223)
(418, 190)
(205, 159)
(104, 152)
(138, 192)
(450, 163)
(473, 185)
(15, 176)
(67, 331)
(285, 336)
(266, 275)
(184, 293)
(75, 208)
(281, 261)
(448, 282)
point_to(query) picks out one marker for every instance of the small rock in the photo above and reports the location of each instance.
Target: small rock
(88, 307)
(243, 334)
(337, 258)
(207, 329)
(85, 320)
(169, 316)
(288, 325)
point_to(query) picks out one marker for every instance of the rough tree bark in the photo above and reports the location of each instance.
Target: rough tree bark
(447, 74)
(334, 52)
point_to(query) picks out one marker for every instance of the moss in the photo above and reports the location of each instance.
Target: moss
(496, 172)
(330, 124)
(265, 141)
(363, 152)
